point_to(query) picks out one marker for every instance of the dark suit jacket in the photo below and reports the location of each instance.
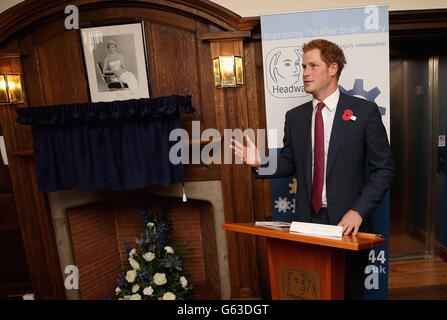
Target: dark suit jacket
(352, 145)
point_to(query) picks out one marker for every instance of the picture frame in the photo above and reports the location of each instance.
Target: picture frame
(115, 61)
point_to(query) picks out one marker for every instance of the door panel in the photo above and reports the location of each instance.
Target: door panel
(418, 116)
(411, 126)
(440, 220)
(14, 278)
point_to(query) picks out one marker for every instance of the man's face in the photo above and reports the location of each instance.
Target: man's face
(317, 75)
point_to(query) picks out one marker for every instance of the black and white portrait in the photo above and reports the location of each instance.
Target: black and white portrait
(116, 62)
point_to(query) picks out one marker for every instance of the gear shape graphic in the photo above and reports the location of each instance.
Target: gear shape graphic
(292, 205)
(359, 90)
(282, 204)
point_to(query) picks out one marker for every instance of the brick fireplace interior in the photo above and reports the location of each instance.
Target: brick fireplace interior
(100, 230)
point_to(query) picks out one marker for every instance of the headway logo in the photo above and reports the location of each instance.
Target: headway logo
(284, 78)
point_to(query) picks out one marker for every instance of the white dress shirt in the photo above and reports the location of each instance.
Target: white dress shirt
(328, 113)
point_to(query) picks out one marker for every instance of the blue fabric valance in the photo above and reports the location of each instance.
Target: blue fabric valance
(118, 145)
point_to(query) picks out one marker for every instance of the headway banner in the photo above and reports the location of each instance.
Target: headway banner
(362, 33)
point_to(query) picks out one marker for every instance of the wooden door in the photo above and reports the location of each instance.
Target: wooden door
(14, 277)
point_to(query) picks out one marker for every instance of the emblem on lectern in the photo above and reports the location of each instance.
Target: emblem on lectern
(299, 284)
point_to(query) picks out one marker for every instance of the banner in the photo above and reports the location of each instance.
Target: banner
(362, 33)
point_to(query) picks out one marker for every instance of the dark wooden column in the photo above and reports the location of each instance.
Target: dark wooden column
(32, 211)
(237, 108)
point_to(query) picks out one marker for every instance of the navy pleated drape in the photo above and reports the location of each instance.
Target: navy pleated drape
(117, 145)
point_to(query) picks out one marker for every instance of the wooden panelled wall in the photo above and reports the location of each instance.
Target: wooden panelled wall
(179, 62)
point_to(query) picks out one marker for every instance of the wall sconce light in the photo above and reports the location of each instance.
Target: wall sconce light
(14, 85)
(3, 90)
(228, 71)
(10, 88)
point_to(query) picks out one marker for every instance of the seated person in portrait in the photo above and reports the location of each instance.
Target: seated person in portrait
(114, 63)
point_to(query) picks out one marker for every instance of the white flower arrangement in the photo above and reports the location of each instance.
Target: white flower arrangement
(183, 282)
(131, 276)
(155, 270)
(160, 279)
(148, 291)
(149, 256)
(168, 296)
(169, 249)
(135, 265)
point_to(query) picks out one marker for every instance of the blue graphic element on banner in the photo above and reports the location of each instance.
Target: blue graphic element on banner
(323, 23)
(359, 91)
(282, 193)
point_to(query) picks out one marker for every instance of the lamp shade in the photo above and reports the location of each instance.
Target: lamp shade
(3, 90)
(14, 85)
(228, 71)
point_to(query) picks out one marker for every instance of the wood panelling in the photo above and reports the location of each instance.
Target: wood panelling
(175, 67)
(179, 62)
(63, 79)
(14, 276)
(206, 80)
(38, 13)
(32, 213)
(256, 119)
(8, 215)
(232, 109)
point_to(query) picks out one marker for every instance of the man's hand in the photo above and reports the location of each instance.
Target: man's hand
(351, 221)
(249, 153)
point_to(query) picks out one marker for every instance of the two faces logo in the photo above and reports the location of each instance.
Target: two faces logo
(284, 76)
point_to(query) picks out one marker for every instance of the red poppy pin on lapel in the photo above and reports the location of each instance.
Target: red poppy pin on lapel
(348, 115)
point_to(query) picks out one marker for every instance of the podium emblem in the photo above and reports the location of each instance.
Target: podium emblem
(298, 284)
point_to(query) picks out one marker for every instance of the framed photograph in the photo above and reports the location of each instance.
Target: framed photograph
(115, 60)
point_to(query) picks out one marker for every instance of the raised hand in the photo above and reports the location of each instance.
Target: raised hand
(248, 152)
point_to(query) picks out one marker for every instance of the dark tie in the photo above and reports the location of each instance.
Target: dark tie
(318, 177)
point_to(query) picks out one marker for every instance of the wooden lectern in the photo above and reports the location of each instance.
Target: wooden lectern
(306, 267)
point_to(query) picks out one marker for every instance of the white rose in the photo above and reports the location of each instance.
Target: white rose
(135, 297)
(168, 296)
(148, 291)
(183, 281)
(132, 252)
(160, 279)
(135, 288)
(169, 249)
(120, 299)
(117, 290)
(131, 275)
(149, 256)
(127, 297)
(135, 265)
(150, 224)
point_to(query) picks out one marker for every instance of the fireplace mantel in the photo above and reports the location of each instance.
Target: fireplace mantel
(210, 191)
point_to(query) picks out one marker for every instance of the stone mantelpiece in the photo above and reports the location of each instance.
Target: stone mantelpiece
(209, 191)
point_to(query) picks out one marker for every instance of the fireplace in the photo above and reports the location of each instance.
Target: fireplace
(92, 227)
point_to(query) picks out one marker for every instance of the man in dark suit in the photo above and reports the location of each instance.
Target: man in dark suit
(327, 142)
